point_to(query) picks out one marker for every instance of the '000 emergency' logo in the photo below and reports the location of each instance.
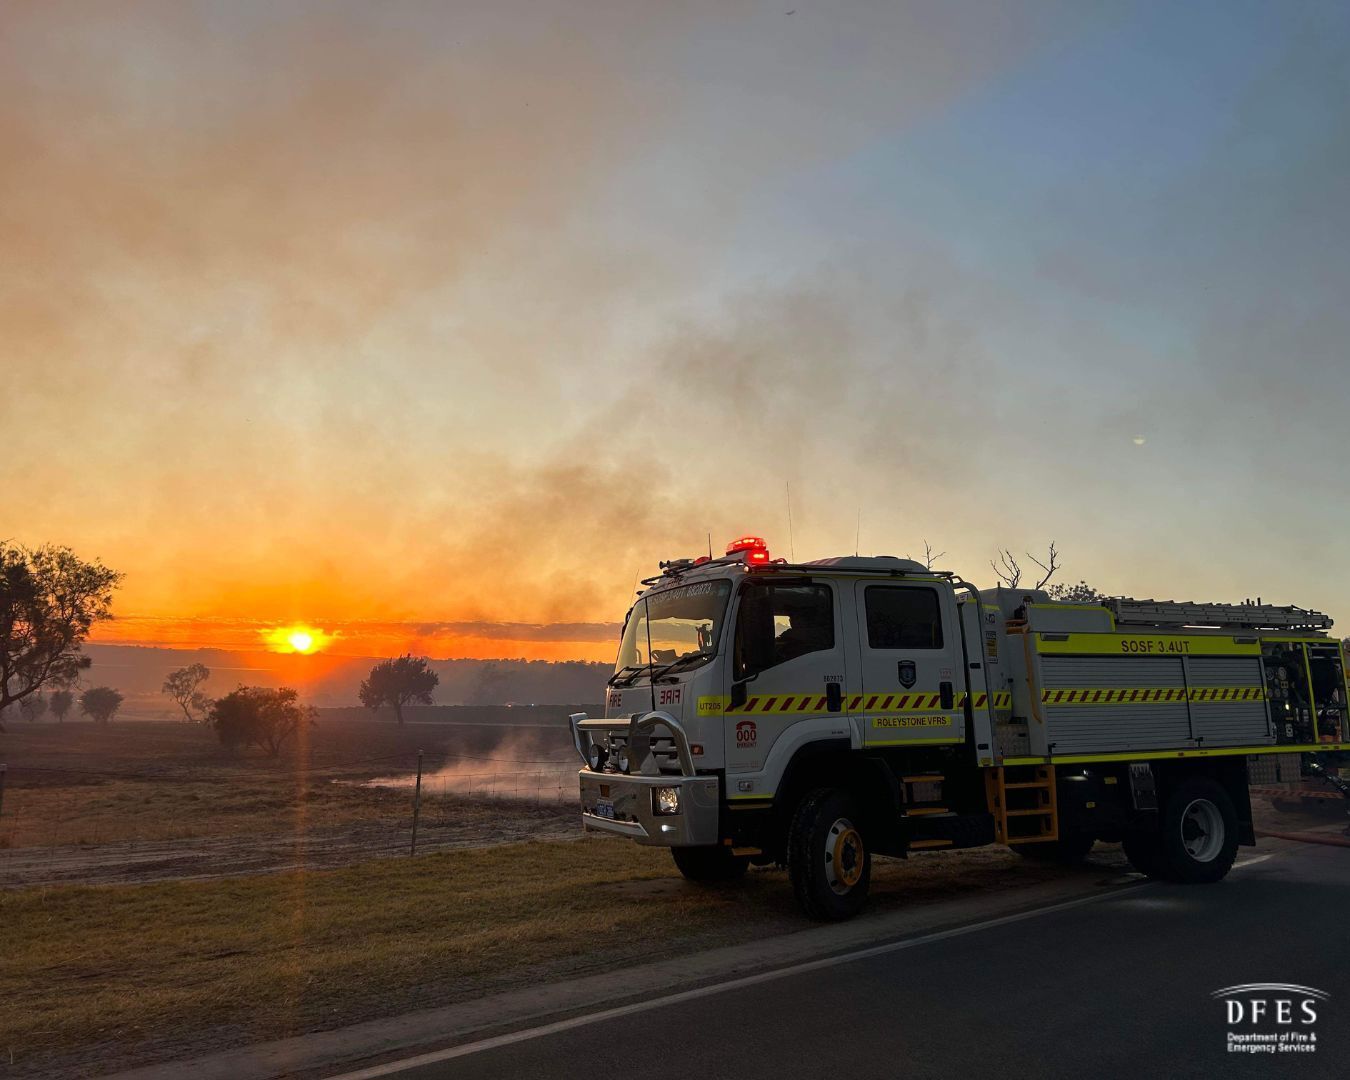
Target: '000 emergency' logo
(746, 734)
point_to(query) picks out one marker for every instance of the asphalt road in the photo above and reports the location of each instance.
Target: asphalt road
(1118, 987)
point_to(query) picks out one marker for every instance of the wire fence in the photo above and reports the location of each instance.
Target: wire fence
(173, 819)
(531, 783)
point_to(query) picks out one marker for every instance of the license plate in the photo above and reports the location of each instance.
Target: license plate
(604, 808)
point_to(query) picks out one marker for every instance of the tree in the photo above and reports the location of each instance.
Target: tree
(398, 682)
(32, 707)
(1010, 573)
(492, 680)
(929, 555)
(101, 703)
(1006, 569)
(1082, 593)
(61, 701)
(258, 716)
(49, 601)
(184, 687)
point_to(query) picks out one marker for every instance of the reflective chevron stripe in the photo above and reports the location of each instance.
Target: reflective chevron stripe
(1150, 695)
(894, 702)
(1228, 693)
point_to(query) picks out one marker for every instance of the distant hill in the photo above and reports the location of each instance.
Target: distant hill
(332, 681)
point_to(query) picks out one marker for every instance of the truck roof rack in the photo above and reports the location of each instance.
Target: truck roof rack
(1248, 616)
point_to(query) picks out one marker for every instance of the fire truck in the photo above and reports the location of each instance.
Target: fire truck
(815, 714)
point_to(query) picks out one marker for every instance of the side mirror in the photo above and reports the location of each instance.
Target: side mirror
(834, 697)
(739, 695)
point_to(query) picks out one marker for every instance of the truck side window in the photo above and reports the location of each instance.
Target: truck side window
(778, 623)
(903, 618)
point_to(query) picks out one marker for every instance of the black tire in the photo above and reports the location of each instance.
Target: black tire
(1144, 850)
(709, 864)
(827, 856)
(1067, 850)
(1199, 833)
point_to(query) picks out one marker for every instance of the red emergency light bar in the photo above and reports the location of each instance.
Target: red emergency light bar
(756, 550)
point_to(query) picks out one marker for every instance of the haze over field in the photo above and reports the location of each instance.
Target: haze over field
(432, 326)
(331, 681)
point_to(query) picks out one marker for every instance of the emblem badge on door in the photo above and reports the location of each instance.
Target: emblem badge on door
(908, 676)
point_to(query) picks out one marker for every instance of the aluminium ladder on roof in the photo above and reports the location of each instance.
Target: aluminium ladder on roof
(1131, 612)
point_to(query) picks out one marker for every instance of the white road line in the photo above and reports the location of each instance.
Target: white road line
(391, 1068)
(1254, 860)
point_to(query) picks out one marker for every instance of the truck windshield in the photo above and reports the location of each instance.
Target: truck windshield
(681, 622)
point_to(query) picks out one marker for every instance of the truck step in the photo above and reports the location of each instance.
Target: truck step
(1022, 800)
(953, 830)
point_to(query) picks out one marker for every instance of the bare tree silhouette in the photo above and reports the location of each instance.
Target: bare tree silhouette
(929, 556)
(1009, 572)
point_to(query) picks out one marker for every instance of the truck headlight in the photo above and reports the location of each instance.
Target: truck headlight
(595, 756)
(622, 759)
(666, 800)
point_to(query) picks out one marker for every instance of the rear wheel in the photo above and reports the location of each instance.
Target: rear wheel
(1199, 833)
(712, 863)
(1067, 850)
(827, 858)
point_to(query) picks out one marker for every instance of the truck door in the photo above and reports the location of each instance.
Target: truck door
(787, 665)
(913, 689)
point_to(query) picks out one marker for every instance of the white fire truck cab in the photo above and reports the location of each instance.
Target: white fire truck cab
(816, 714)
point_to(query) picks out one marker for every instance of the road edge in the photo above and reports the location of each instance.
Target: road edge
(374, 1042)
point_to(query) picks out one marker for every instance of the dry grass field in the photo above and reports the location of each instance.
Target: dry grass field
(135, 973)
(79, 784)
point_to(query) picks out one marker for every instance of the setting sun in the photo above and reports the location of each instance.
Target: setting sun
(296, 639)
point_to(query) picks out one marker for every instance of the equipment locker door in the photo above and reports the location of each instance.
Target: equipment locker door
(913, 685)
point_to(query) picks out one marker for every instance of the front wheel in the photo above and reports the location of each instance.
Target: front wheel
(712, 863)
(828, 861)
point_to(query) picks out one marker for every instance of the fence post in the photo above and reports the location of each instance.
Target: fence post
(417, 802)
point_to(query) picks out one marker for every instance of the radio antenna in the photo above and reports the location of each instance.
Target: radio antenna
(787, 496)
(857, 539)
(710, 545)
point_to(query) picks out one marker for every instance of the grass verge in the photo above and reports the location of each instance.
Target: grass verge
(107, 968)
(123, 975)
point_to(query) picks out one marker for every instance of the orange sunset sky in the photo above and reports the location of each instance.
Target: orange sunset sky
(433, 326)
